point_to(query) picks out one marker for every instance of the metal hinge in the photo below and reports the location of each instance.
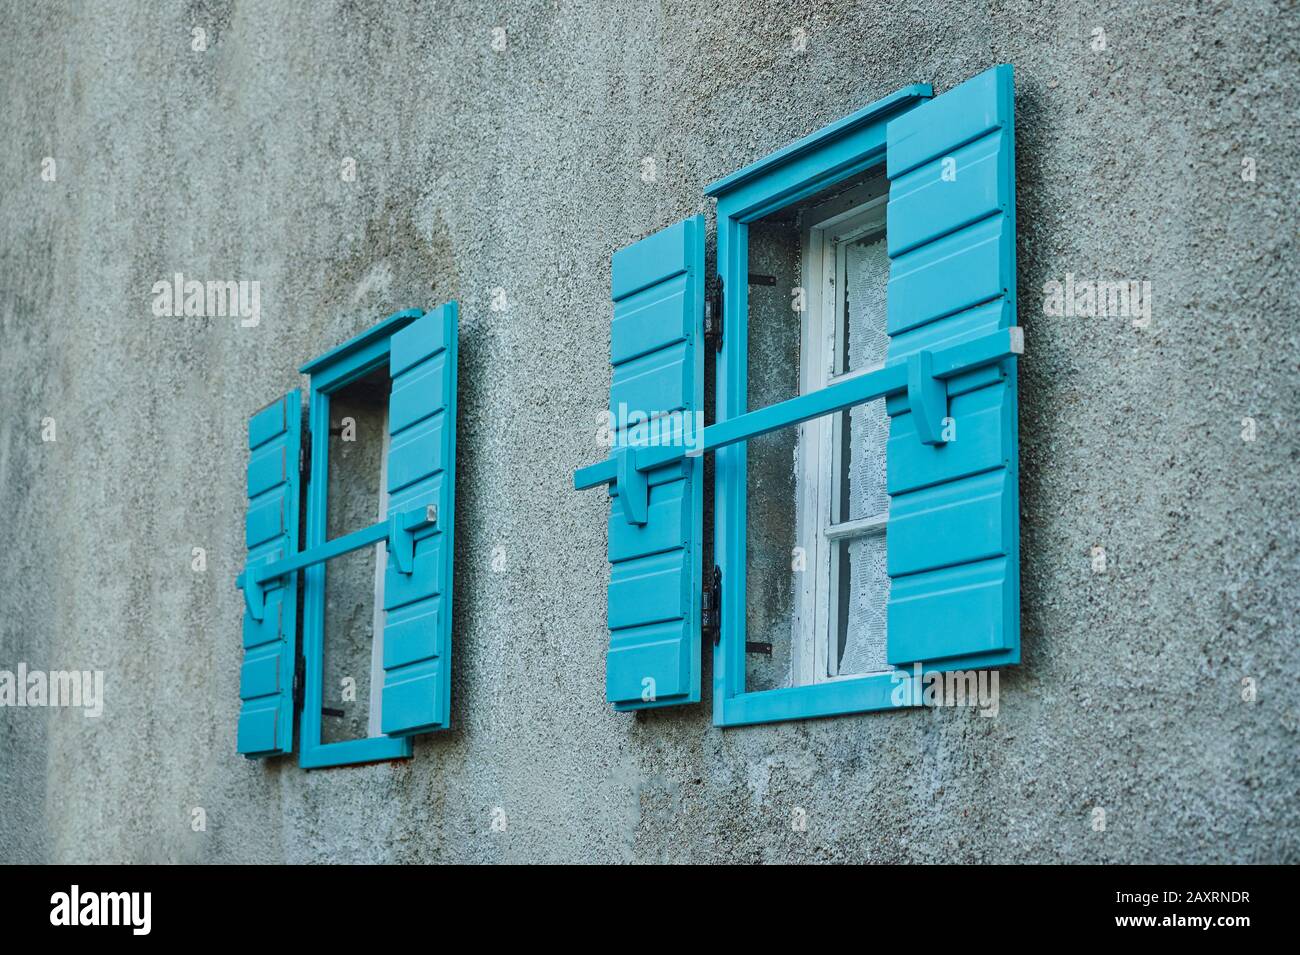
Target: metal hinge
(713, 302)
(304, 456)
(713, 315)
(299, 683)
(711, 608)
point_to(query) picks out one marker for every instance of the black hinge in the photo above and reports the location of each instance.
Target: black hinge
(304, 456)
(713, 315)
(299, 683)
(711, 615)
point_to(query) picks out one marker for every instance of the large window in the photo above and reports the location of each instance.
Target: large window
(866, 517)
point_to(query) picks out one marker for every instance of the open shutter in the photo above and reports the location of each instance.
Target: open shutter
(421, 472)
(954, 522)
(656, 518)
(271, 533)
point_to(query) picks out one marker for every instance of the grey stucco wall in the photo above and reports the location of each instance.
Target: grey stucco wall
(521, 169)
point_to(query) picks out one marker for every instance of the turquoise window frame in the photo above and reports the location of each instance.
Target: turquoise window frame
(834, 153)
(335, 369)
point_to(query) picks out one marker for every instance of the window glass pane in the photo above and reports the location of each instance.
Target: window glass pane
(354, 582)
(349, 644)
(863, 432)
(774, 326)
(774, 487)
(770, 598)
(816, 288)
(862, 585)
(866, 277)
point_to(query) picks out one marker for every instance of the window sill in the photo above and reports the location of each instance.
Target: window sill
(873, 692)
(354, 751)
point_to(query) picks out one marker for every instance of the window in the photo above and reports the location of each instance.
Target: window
(860, 267)
(866, 510)
(343, 596)
(371, 568)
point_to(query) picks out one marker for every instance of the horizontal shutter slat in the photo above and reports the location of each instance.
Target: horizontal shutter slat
(415, 453)
(648, 321)
(953, 612)
(648, 589)
(951, 523)
(660, 652)
(413, 344)
(653, 384)
(418, 394)
(272, 421)
(953, 273)
(267, 519)
(949, 121)
(946, 194)
(667, 528)
(983, 442)
(259, 731)
(260, 675)
(656, 259)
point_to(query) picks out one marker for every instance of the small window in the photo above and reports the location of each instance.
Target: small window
(351, 521)
(343, 595)
(847, 507)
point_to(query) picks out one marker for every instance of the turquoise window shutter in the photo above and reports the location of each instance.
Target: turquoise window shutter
(421, 487)
(954, 520)
(656, 518)
(266, 681)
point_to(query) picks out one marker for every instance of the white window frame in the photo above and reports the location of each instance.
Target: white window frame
(834, 224)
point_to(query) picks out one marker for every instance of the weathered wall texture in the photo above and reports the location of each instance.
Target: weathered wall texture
(521, 169)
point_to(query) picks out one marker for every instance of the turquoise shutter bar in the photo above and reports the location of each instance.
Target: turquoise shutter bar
(921, 382)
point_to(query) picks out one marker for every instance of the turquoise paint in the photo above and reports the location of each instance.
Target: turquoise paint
(656, 519)
(954, 525)
(831, 155)
(271, 615)
(926, 373)
(421, 474)
(419, 350)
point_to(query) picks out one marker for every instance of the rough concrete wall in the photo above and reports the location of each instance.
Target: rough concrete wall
(521, 169)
